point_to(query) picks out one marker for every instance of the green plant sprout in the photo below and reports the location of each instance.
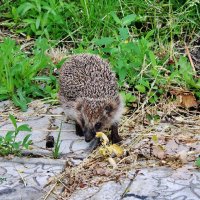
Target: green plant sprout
(56, 150)
(9, 144)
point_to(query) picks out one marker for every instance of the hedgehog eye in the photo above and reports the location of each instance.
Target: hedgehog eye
(98, 125)
(109, 108)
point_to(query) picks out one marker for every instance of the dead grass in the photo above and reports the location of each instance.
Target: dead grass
(171, 141)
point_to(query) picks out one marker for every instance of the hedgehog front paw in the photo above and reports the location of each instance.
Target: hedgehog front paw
(79, 131)
(115, 138)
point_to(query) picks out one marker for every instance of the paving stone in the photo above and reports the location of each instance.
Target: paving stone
(150, 184)
(22, 178)
(25, 178)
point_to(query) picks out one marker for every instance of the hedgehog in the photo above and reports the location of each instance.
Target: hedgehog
(89, 95)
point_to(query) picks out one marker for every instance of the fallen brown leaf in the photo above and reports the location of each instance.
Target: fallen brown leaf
(185, 99)
(158, 152)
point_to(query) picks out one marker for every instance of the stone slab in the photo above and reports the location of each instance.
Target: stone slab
(25, 178)
(150, 184)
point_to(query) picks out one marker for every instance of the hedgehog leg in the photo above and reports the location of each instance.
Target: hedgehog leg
(115, 138)
(79, 131)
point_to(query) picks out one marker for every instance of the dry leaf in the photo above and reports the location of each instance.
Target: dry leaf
(103, 172)
(103, 136)
(112, 162)
(185, 98)
(158, 152)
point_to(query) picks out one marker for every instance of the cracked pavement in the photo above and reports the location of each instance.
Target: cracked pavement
(27, 177)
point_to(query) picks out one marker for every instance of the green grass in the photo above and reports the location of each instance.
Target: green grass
(140, 71)
(137, 37)
(83, 20)
(56, 150)
(24, 77)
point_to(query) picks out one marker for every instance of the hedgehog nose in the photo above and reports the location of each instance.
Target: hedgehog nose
(89, 135)
(88, 139)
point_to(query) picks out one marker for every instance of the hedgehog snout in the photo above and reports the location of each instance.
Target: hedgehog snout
(89, 134)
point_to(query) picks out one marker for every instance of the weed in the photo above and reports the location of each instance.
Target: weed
(20, 78)
(140, 72)
(167, 19)
(137, 33)
(197, 163)
(56, 150)
(8, 143)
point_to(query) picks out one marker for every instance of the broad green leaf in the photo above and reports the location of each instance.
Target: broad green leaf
(149, 34)
(37, 23)
(9, 136)
(3, 90)
(19, 103)
(16, 145)
(26, 146)
(140, 88)
(13, 120)
(116, 18)
(197, 163)
(44, 20)
(24, 127)
(144, 83)
(128, 19)
(21, 95)
(122, 74)
(29, 21)
(25, 140)
(25, 7)
(33, 28)
(130, 98)
(1, 140)
(104, 41)
(152, 58)
(46, 32)
(124, 34)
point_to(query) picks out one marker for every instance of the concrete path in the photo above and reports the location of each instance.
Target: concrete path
(149, 184)
(27, 177)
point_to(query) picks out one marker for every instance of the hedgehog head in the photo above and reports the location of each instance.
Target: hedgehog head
(95, 115)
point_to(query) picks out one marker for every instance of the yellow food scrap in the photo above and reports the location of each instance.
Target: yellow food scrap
(116, 149)
(103, 136)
